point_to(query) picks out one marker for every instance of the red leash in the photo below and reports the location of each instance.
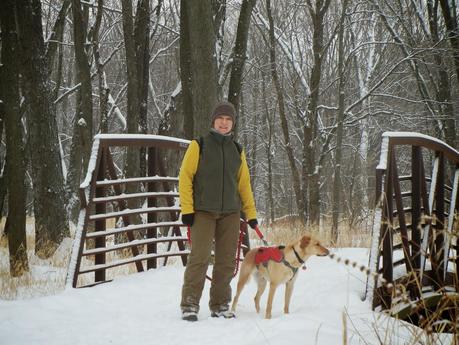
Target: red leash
(238, 252)
(257, 230)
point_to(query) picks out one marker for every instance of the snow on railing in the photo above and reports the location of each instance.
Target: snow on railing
(92, 164)
(75, 249)
(143, 137)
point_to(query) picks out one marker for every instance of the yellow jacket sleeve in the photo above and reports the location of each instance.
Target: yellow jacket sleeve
(245, 190)
(187, 171)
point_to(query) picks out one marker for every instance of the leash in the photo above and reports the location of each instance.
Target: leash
(238, 250)
(260, 234)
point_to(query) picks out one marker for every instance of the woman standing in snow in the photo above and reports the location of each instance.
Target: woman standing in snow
(214, 186)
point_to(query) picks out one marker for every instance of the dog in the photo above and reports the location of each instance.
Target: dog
(276, 265)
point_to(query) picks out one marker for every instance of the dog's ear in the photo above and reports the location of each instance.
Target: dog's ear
(305, 241)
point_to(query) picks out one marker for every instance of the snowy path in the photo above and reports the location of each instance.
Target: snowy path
(144, 309)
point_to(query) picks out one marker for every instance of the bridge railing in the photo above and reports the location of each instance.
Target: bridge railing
(415, 232)
(120, 217)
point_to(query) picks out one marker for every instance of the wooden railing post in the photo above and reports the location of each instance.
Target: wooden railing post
(439, 229)
(100, 224)
(416, 162)
(152, 217)
(387, 230)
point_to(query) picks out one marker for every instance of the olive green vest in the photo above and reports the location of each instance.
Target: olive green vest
(215, 184)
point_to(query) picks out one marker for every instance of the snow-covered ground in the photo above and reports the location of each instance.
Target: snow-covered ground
(144, 309)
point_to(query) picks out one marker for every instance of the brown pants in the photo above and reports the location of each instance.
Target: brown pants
(224, 229)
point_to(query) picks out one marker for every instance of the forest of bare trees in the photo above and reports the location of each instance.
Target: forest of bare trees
(316, 83)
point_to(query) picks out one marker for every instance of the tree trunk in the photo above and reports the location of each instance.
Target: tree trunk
(269, 153)
(132, 163)
(142, 39)
(203, 62)
(219, 19)
(449, 15)
(283, 117)
(312, 169)
(240, 52)
(444, 86)
(51, 223)
(82, 127)
(104, 91)
(83, 77)
(337, 188)
(131, 67)
(15, 153)
(2, 163)
(185, 73)
(57, 34)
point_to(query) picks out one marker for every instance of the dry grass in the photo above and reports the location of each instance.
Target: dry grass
(44, 276)
(288, 229)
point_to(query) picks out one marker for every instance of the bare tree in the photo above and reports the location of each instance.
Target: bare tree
(104, 91)
(82, 124)
(311, 167)
(449, 11)
(57, 34)
(51, 223)
(185, 72)
(3, 188)
(443, 93)
(142, 54)
(337, 187)
(239, 52)
(283, 116)
(15, 149)
(203, 70)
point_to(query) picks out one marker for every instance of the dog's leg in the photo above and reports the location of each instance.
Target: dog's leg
(269, 305)
(261, 283)
(288, 295)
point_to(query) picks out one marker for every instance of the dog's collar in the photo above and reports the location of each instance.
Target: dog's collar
(300, 260)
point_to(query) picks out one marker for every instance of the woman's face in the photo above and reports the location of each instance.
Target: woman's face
(223, 124)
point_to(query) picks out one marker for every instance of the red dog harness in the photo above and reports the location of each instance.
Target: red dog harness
(264, 254)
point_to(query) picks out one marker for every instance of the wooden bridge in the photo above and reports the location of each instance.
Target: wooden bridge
(414, 237)
(415, 232)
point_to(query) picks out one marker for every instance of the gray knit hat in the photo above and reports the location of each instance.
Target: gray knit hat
(223, 108)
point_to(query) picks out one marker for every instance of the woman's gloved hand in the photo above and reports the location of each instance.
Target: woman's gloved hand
(188, 219)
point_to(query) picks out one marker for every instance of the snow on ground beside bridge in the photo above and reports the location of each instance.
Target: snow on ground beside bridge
(144, 309)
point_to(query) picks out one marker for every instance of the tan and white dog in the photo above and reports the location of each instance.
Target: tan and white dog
(281, 268)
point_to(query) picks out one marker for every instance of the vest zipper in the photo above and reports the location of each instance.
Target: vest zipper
(223, 176)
